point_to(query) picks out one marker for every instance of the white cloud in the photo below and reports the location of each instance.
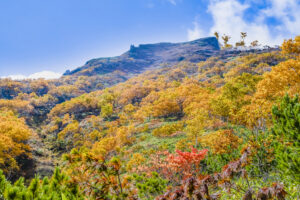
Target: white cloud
(286, 11)
(15, 77)
(228, 18)
(44, 74)
(196, 32)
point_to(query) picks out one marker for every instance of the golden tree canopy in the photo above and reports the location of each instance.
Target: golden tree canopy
(13, 136)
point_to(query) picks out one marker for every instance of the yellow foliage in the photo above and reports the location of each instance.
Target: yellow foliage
(221, 141)
(196, 124)
(71, 128)
(166, 105)
(168, 129)
(184, 144)
(291, 46)
(124, 135)
(284, 78)
(129, 109)
(106, 110)
(14, 134)
(16, 105)
(104, 146)
(255, 115)
(95, 135)
(76, 106)
(136, 160)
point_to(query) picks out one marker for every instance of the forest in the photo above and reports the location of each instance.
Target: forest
(227, 127)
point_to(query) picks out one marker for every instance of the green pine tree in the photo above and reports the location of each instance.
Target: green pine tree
(286, 119)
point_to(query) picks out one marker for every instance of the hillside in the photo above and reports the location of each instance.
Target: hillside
(149, 56)
(161, 121)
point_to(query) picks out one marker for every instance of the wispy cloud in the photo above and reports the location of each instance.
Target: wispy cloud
(154, 3)
(172, 2)
(43, 74)
(196, 32)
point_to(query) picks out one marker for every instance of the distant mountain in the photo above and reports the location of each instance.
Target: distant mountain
(149, 56)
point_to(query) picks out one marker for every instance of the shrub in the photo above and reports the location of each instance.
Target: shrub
(168, 129)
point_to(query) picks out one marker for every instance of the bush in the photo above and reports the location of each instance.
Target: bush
(168, 129)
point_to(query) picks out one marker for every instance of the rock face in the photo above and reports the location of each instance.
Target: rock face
(149, 56)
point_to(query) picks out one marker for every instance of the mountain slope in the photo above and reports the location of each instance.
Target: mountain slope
(148, 56)
(212, 126)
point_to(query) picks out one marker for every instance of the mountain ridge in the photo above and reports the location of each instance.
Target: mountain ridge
(148, 56)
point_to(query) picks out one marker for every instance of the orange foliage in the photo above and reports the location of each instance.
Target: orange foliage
(13, 137)
(291, 46)
(221, 141)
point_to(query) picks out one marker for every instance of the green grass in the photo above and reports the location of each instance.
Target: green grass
(146, 141)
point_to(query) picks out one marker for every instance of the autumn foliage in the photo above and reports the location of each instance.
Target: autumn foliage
(223, 128)
(14, 134)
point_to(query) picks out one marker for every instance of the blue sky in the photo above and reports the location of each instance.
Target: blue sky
(56, 35)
